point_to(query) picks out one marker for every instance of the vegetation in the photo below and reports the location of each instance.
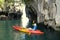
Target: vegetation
(27, 1)
(9, 1)
(5, 3)
(1, 3)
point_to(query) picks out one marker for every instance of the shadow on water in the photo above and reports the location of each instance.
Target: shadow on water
(8, 33)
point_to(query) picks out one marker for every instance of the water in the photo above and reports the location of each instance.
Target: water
(8, 33)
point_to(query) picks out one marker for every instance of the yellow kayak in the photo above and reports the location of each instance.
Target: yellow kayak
(26, 30)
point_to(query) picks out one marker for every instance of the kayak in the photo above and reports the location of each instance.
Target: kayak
(27, 30)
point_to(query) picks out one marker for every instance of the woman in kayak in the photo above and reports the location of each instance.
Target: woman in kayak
(34, 26)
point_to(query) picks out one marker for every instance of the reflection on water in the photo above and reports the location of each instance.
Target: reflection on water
(8, 33)
(19, 36)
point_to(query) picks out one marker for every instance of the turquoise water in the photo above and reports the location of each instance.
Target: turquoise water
(8, 33)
